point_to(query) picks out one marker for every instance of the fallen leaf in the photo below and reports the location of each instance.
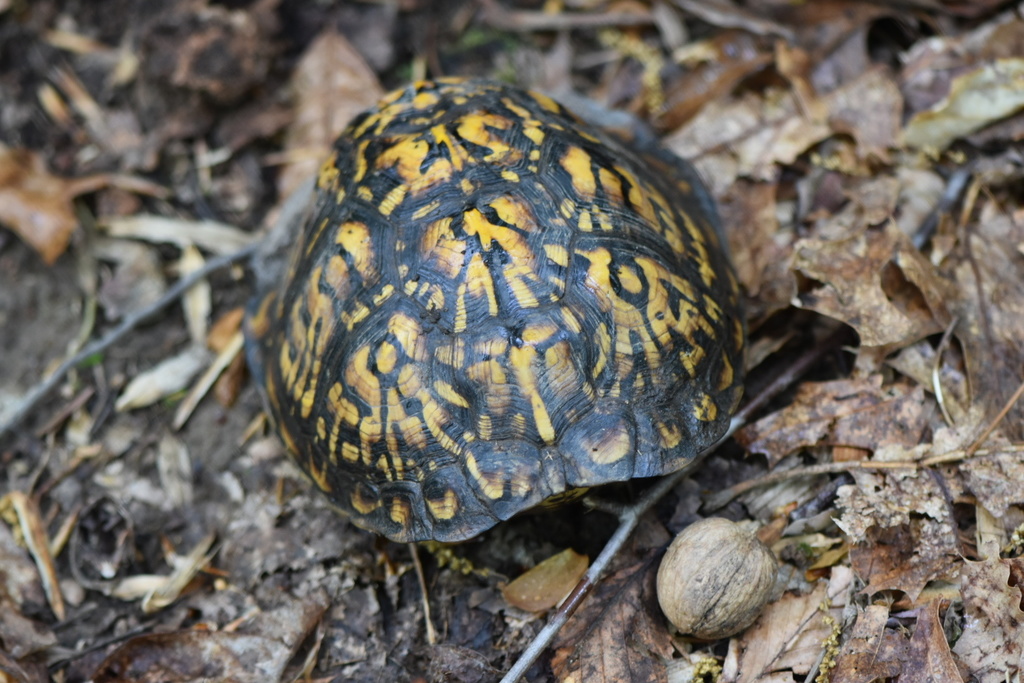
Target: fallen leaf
(871, 651)
(332, 83)
(166, 378)
(210, 236)
(929, 657)
(36, 204)
(976, 99)
(855, 412)
(546, 584)
(789, 635)
(618, 634)
(876, 282)
(992, 643)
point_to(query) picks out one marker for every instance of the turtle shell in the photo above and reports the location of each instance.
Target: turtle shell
(492, 302)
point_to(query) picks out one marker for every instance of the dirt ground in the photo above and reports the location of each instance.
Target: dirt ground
(867, 161)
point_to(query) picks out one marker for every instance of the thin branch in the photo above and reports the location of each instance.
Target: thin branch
(130, 322)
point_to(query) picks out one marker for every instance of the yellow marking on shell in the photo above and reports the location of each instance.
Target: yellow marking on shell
(534, 156)
(493, 487)
(518, 277)
(383, 295)
(426, 209)
(387, 357)
(350, 320)
(707, 274)
(364, 193)
(392, 199)
(546, 102)
(670, 434)
(445, 508)
(483, 426)
(435, 417)
(510, 176)
(577, 164)
(337, 276)
(459, 323)
(409, 335)
(538, 333)
(567, 208)
(467, 186)
(692, 359)
(585, 223)
(613, 445)
(477, 130)
(425, 99)
(604, 349)
(452, 354)
(354, 237)
(629, 280)
(480, 283)
(536, 136)
(557, 253)
(329, 173)
(339, 197)
(611, 185)
(360, 157)
(458, 154)
(321, 428)
(350, 452)
(448, 393)
(318, 474)
(572, 323)
(362, 504)
(726, 376)
(705, 410)
(521, 359)
(360, 380)
(399, 512)
(405, 157)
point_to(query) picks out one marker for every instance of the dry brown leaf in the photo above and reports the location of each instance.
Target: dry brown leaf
(996, 480)
(544, 585)
(855, 412)
(929, 657)
(976, 99)
(36, 204)
(260, 656)
(872, 651)
(618, 635)
(870, 109)
(877, 283)
(992, 643)
(991, 312)
(332, 84)
(788, 637)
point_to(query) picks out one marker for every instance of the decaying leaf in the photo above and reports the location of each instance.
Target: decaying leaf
(877, 283)
(543, 586)
(976, 99)
(36, 204)
(789, 636)
(332, 84)
(992, 643)
(618, 634)
(859, 413)
(261, 655)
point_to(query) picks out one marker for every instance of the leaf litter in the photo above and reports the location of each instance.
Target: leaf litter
(830, 132)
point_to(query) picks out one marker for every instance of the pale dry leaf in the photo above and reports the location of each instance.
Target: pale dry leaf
(788, 637)
(992, 643)
(332, 83)
(210, 236)
(166, 378)
(867, 653)
(197, 300)
(138, 278)
(976, 99)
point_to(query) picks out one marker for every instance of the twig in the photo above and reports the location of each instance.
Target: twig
(630, 515)
(130, 322)
(421, 577)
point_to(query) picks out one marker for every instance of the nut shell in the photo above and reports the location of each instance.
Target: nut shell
(715, 579)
